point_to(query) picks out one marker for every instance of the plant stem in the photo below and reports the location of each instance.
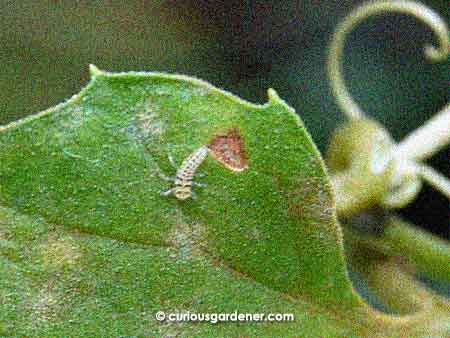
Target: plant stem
(421, 12)
(428, 139)
(438, 181)
(397, 289)
(429, 254)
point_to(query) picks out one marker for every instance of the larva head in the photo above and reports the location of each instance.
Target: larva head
(183, 193)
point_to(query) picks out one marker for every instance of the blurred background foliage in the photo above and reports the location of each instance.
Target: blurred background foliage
(241, 46)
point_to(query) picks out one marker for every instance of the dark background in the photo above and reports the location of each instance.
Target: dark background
(241, 46)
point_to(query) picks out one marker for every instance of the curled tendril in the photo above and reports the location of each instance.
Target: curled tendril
(421, 12)
(385, 172)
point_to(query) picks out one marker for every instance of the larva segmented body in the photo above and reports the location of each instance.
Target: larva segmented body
(185, 174)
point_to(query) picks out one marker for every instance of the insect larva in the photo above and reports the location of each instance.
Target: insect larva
(183, 180)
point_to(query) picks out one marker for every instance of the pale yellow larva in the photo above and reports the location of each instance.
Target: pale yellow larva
(185, 174)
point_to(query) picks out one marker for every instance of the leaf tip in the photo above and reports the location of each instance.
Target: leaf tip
(273, 96)
(94, 71)
(275, 99)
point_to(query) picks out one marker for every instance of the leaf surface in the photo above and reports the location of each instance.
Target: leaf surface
(101, 247)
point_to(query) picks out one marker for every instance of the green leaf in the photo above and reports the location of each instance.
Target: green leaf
(101, 250)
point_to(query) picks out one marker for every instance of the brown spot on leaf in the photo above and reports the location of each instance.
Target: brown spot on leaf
(229, 150)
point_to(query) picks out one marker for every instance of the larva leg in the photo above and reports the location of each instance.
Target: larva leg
(166, 178)
(198, 184)
(168, 192)
(172, 161)
(193, 195)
